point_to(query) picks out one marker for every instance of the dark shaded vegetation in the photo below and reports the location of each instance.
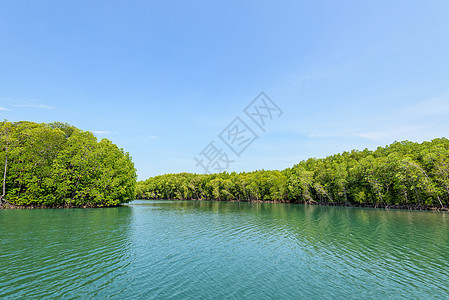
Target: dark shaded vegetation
(403, 174)
(58, 165)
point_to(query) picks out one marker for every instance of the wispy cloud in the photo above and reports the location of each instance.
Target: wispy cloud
(387, 130)
(421, 120)
(153, 137)
(103, 132)
(396, 132)
(433, 106)
(314, 75)
(4, 109)
(38, 106)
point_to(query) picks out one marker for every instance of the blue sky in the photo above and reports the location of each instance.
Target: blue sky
(162, 79)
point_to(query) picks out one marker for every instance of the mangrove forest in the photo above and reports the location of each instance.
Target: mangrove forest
(403, 174)
(58, 165)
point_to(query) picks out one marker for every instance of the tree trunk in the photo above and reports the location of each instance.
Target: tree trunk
(4, 178)
(439, 200)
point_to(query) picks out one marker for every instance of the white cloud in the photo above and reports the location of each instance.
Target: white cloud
(103, 132)
(383, 128)
(398, 132)
(153, 137)
(4, 109)
(39, 106)
(433, 106)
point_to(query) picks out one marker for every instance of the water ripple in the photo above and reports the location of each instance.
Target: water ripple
(206, 250)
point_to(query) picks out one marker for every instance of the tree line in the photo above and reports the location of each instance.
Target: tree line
(403, 173)
(57, 164)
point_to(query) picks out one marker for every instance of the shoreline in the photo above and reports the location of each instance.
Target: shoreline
(417, 207)
(382, 205)
(59, 206)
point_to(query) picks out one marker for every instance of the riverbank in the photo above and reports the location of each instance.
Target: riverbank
(365, 205)
(382, 205)
(61, 206)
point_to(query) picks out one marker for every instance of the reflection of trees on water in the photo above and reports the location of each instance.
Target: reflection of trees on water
(384, 249)
(82, 250)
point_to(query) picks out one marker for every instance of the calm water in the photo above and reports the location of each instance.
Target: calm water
(210, 250)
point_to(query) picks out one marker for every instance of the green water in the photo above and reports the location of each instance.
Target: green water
(223, 250)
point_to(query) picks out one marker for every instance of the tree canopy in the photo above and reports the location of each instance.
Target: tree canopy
(57, 164)
(403, 173)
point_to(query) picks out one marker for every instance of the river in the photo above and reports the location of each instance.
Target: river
(218, 250)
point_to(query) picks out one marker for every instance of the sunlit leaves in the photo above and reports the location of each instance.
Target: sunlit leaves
(58, 164)
(404, 173)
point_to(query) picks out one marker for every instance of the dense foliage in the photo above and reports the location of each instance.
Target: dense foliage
(59, 165)
(404, 173)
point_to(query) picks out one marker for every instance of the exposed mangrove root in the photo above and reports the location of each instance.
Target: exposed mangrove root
(58, 206)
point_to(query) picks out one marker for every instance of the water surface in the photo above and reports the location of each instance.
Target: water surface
(205, 250)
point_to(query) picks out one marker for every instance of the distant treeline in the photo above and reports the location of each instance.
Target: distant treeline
(404, 173)
(58, 165)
